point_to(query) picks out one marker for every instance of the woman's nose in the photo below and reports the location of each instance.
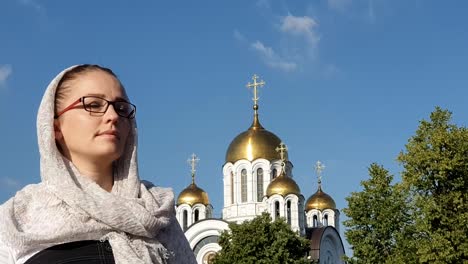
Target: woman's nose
(111, 114)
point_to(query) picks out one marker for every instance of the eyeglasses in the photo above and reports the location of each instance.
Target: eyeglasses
(94, 104)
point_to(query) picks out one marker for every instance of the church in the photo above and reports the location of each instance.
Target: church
(257, 177)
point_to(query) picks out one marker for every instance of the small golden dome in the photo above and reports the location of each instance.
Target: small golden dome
(283, 185)
(320, 200)
(193, 195)
(256, 142)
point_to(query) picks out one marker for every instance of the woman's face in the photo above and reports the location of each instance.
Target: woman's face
(91, 136)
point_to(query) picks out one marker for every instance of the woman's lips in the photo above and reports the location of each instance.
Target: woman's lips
(110, 134)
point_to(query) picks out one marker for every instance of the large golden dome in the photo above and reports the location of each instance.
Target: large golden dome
(193, 195)
(256, 142)
(283, 185)
(320, 200)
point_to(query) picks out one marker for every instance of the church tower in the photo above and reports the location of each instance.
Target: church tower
(284, 198)
(193, 204)
(320, 207)
(252, 162)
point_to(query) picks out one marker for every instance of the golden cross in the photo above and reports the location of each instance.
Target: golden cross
(319, 167)
(282, 150)
(255, 85)
(193, 163)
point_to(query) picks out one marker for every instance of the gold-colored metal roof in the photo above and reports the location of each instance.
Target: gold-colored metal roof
(256, 142)
(283, 185)
(320, 200)
(193, 195)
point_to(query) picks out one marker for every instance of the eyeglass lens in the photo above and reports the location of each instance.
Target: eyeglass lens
(100, 105)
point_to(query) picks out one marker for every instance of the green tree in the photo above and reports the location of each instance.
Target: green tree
(436, 175)
(378, 220)
(261, 241)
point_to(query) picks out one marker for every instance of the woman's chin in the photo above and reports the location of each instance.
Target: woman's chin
(108, 154)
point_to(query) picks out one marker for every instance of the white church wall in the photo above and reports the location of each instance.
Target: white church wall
(310, 218)
(238, 167)
(274, 209)
(240, 211)
(296, 212)
(180, 215)
(201, 208)
(206, 249)
(265, 166)
(227, 174)
(327, 217)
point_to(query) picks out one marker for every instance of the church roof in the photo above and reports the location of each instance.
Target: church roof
(283, 185)
(320, 200)
(193, 195)
(256, 142)
(317, 237)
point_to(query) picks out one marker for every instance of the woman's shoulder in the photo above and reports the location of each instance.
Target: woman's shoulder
(27, 194)
(164, 191)
(27, 201)
(5, 254)
(163, 195)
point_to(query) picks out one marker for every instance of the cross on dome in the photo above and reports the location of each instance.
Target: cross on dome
(282, 150)
(319, 167)
(193, 161)
(255, 85)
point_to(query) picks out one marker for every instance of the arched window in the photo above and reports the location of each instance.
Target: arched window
(259, 184)
(184, 220)
(315, 221)
(277, 210)
(288, 211)
(273, 174)
(232, 187)
(325, 220)
(244, 185)
(197, 215)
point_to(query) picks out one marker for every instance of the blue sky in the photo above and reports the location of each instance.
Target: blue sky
(347, 81)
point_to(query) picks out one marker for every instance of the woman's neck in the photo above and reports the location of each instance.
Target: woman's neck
(101, 175)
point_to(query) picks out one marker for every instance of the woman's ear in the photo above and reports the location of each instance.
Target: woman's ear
(57, 132)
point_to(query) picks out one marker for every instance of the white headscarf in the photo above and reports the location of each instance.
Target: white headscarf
(136, 217)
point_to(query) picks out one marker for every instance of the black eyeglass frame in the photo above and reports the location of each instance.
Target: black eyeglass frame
(113, 103)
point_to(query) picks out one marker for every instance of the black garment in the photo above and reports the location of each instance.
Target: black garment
(80, 252)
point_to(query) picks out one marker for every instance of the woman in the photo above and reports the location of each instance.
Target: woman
(90, 206)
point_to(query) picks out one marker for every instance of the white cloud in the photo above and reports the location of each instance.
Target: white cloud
(272, 59)
(239, 37)
(5, 72)
(339, 5)
(297, 43)
(301, 26)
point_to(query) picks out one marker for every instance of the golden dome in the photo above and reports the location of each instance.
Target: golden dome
(193, 195)
(320, 200)
(256, 142)
(283, 185)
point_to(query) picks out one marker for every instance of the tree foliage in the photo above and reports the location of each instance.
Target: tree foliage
(436, 174)
(423, 219)
(261, 241)
(378, 216)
